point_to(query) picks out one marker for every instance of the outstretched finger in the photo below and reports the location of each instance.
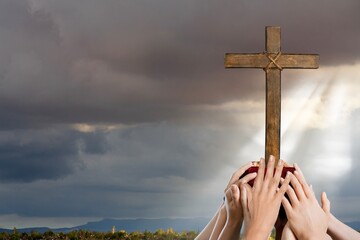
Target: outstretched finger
(278, 173)
(325, 203)
(260, 175)
(246, 178)
(235, 193)
(284, 184)
(269, 171)
(300, 176)
(298, 187)
(244, 197)
(237, 174)
(228, 195)
(292, 196)
(287, 206)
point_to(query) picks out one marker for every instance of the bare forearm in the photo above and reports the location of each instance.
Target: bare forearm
(340, 231)
(231, 231)
(219, 225)
(206, 232)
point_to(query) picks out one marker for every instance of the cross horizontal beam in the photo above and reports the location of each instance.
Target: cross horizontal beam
(260, 60)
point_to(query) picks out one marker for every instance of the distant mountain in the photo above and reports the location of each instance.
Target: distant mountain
(141, 224)
(130, 225)
(27, 230)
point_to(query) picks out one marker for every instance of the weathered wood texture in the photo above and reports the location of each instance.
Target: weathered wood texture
(259, 60)
(273, 102)
(273, 114)
(272, 61)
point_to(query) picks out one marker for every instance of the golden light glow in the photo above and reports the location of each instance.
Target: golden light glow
(88, 128)
(322, 104)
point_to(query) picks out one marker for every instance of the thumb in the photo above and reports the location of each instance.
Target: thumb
(325, 202)
(245, 197)
(228, 195)
(235, 192)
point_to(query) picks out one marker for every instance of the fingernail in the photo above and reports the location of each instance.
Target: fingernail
(271, 158)
(288, 174)
(280, 162)
(261, 161)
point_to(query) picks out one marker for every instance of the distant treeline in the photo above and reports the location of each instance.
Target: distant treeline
(89, 235)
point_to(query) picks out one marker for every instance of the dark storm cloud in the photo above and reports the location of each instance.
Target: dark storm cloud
(174, 151)
(27, 155)
(131, 62)
(139, 171)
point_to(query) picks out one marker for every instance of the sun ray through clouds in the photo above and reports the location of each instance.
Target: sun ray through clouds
(315, 119)
(322, 106)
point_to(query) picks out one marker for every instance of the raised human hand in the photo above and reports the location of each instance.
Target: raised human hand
(234, 210)
(261, 203)
(234, 214)
(233, 186)
(305, 216)
(337, 230)
(217, 224)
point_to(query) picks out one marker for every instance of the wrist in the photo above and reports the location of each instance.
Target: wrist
(313, 236)
(334, 225)
(234, 223)
(256, 234)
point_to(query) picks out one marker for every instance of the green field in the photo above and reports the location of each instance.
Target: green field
(82, 234)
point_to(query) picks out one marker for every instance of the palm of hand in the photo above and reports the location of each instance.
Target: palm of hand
(233, 204)
(308, 219)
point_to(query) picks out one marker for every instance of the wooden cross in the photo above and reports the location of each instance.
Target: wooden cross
(273, 61)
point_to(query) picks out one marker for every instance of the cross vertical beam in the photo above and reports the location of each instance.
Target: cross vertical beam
(273, 97)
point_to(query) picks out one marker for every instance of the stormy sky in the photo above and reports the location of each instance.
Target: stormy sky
(124, 108)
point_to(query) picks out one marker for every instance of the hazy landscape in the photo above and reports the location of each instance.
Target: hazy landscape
(141, 228)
